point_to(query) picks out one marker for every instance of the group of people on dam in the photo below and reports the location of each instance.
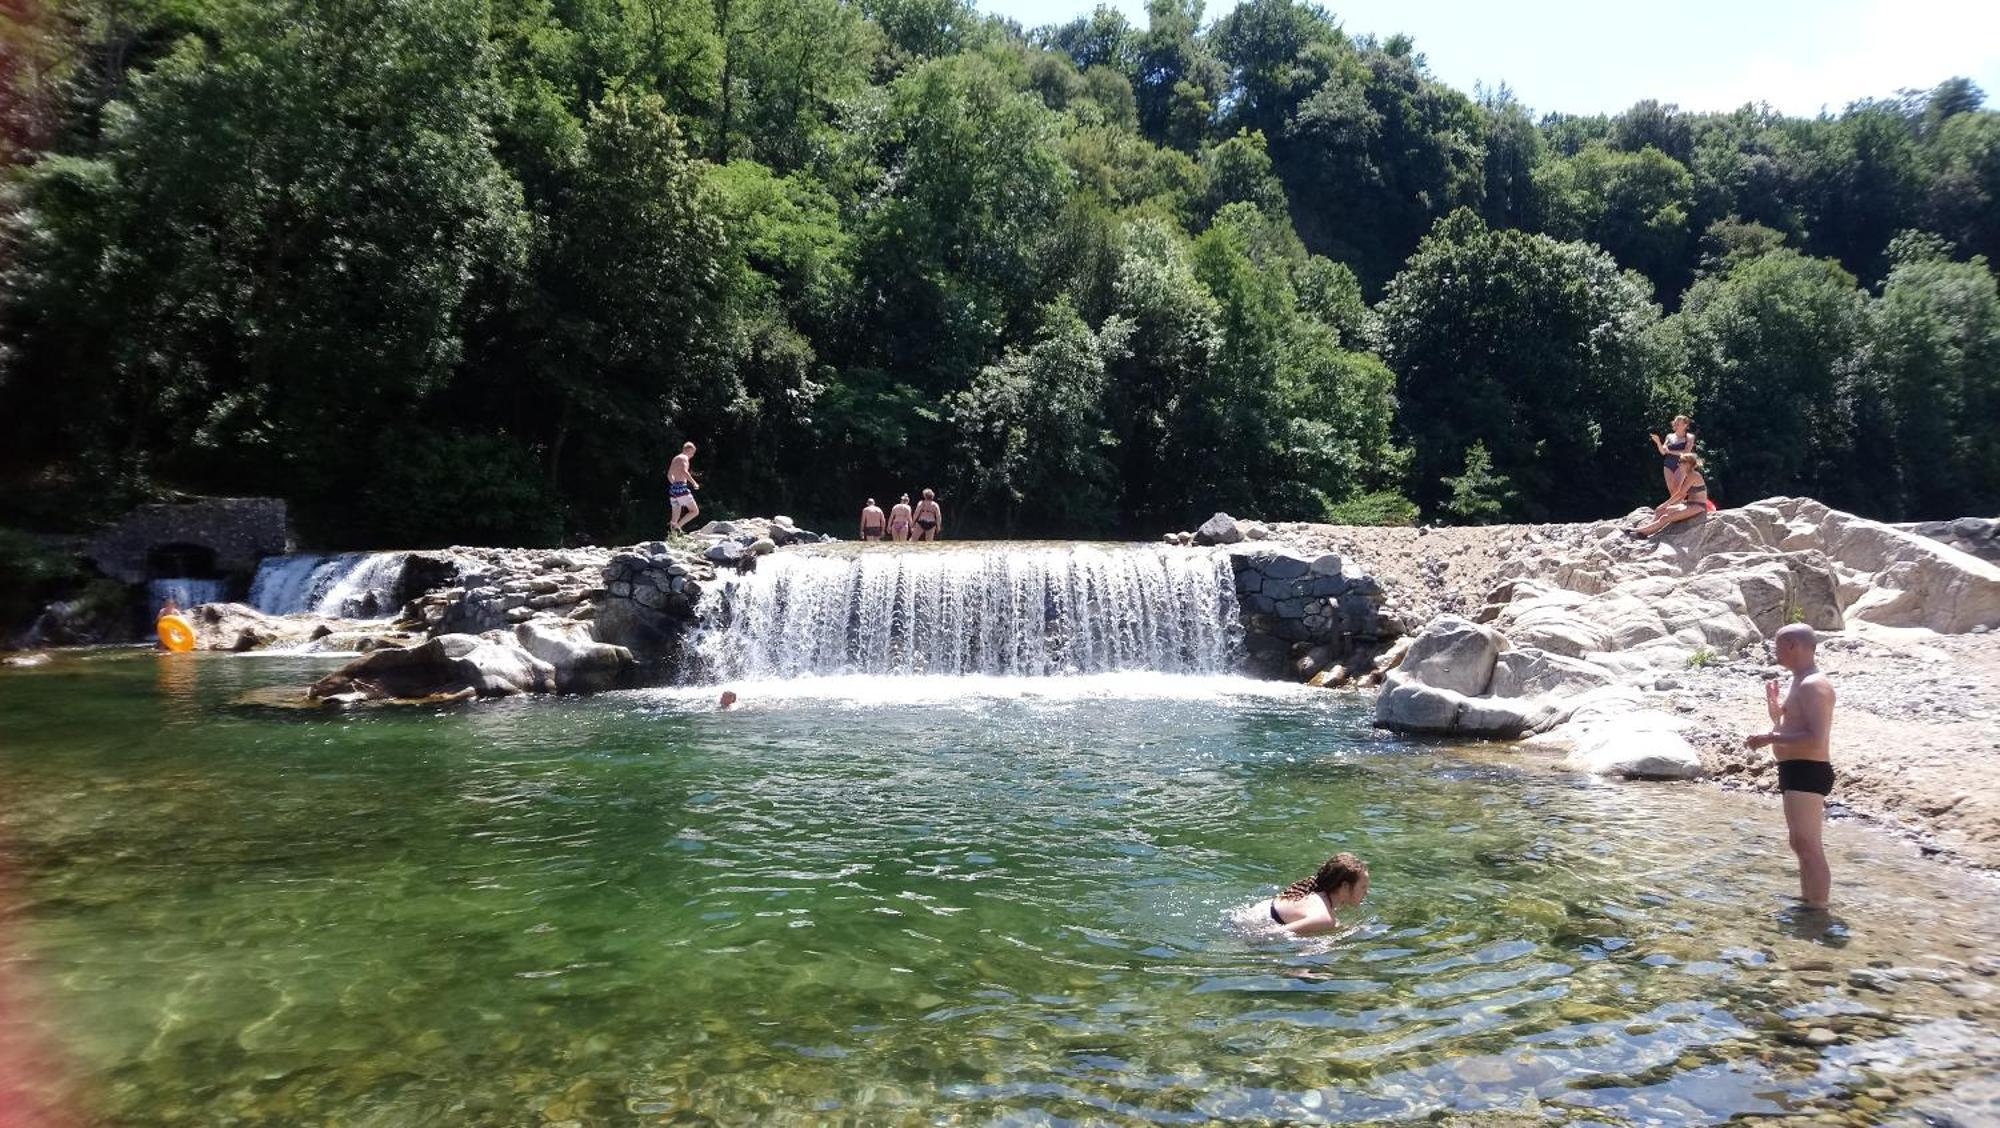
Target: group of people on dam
(904, 523)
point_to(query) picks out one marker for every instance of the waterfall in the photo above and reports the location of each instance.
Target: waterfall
(1020, 610)
(185, 592)
(350, 585)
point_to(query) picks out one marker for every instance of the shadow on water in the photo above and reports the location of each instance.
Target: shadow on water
(1814, 926)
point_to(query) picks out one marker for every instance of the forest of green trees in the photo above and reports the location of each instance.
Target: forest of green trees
(470, 270)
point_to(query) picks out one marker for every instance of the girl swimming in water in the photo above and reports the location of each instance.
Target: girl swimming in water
(1306, 906)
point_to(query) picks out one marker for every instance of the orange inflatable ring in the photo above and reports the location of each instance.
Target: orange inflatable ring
(176, 634)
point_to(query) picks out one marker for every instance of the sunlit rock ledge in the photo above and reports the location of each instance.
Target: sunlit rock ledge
(1581, 623)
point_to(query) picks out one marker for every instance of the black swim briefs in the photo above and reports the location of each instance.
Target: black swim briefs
(1815, 776)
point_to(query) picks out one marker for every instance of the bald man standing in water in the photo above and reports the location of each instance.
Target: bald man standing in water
(1801, 727)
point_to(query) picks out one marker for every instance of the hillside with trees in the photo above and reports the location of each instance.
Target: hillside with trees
(470, 270)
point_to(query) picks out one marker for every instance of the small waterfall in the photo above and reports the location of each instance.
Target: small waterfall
(350, 585)
(1016, 610)
(185, 592)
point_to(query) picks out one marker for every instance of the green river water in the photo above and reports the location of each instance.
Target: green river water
(928, 901)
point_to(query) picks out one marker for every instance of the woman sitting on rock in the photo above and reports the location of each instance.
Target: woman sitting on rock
(1690, 499)
(1306, 906)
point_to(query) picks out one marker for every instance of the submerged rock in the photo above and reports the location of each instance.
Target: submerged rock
(288, 697)
(1637, 745)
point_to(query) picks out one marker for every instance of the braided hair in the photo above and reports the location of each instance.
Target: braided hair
(1338, 872)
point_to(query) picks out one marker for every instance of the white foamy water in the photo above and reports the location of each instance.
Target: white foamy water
(349, 585)
(1001, 611)
(871, 691)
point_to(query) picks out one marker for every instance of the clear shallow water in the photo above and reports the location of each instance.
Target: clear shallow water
(934, 900)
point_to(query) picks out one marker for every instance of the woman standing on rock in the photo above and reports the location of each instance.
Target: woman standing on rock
(1679, 443)
(1690, 499)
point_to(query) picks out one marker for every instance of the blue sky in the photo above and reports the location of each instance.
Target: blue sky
(1589, 56)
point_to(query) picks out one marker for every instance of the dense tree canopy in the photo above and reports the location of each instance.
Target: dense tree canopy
(1537, 352)
(447, 270)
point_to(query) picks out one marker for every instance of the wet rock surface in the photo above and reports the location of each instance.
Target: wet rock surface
(446, 665)
(567, 620)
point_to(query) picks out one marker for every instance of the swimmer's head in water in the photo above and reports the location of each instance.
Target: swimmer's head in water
(1794, 645)
(728, 698)
(1342, 877)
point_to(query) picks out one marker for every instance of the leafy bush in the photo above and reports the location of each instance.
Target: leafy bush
(1384, 507)
(1478, 496)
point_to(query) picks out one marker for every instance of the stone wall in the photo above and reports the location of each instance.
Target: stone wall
(649, 602)
(1302, 616)
(238, 530)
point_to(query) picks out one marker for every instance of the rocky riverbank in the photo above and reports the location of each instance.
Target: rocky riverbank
(1573, 643)
(1648, 658)
(495, 622)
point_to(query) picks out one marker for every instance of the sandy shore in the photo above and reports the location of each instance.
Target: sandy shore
(1916, 734)
(1916, 739)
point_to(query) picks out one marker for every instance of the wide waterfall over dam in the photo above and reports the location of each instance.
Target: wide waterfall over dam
(1028, 610)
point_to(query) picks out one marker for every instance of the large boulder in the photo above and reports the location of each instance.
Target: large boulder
(1407, 705)
(581, 663)
(1454, 654)
(1219, 529)
(452, 663)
